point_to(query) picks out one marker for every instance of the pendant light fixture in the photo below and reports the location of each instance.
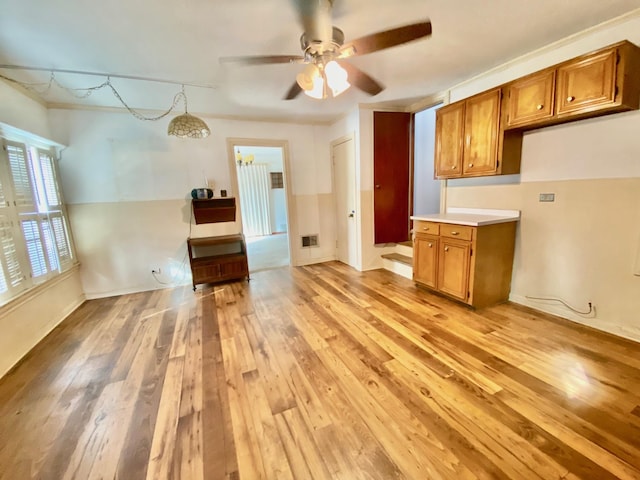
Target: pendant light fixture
(187, 125)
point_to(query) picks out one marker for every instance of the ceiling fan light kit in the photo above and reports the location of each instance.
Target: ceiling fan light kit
(318, 80)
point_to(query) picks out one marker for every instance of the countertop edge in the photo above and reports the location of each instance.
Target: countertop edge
(471, 217)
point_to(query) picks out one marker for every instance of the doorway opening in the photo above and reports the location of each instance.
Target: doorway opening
(259, 171)
(426, 189)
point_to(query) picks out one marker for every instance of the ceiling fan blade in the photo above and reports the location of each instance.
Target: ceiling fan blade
(263, 59)
(315, 16)
(386, 39)
(361, 80)
(293, 92)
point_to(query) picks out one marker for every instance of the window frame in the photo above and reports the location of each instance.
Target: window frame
(34, 224)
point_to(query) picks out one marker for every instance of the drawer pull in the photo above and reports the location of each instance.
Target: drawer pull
(425, 228)
(570, 98)
(446, 249)
(540, 107)
(455, 233)
(430, 245)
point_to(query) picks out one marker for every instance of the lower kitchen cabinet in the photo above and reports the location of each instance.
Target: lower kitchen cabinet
(425, 260)
(453, 268)
(472, 264)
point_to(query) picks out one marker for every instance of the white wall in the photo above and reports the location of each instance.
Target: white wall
(128, 186)
(583, 247)
(22, 111)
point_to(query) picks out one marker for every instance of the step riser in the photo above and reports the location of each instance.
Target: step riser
(398, 268)
(404, 250)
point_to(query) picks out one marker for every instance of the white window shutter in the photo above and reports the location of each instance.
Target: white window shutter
(13, 279)
(22, 177)
(47, 167)
(33, 238)
(62, 239)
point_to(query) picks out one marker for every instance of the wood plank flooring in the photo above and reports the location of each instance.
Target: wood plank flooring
(319, 372)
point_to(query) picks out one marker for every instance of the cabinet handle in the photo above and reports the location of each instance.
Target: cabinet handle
(425, 228)
(570, 98)
(454, 167)
(455, 233)
(470, 165)
(430, 245)
(540, 107)
(377, 186)
(446, 249)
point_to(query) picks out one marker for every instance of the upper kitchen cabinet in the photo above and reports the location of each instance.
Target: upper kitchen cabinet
(449, 140)
(470, 141)
(530, 99)
(598, 83)
(481, 125)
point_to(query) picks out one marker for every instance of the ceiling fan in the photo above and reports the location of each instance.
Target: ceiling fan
(323, 47)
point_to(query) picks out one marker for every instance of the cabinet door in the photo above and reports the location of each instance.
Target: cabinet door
(453, 268)
(425, 262)
(587, 84)
(531, 99)
(449, 140)
(481, 123)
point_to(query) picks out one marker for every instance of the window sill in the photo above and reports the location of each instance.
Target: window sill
(33, 292)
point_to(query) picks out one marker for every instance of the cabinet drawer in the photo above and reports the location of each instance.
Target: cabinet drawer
(461, 232)
(431, 228)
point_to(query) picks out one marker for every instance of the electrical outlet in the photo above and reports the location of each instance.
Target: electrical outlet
(547, 197)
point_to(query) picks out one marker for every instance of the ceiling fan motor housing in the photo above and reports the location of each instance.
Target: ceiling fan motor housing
(314, 47)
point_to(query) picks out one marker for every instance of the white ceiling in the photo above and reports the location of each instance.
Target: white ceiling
(182, 40)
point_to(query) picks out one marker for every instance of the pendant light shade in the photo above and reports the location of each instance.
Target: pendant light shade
(188, 126)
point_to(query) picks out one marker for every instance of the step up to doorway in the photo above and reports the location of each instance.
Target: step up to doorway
(405, 248)
(398, 263)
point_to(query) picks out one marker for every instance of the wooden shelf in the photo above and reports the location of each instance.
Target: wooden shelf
(214, 210)
(217, 259)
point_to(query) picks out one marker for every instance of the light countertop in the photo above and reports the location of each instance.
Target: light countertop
(474, 217)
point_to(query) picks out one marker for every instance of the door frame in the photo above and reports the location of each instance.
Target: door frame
(233, 175)
(350, 137)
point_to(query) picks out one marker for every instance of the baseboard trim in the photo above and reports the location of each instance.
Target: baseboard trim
(630, 333)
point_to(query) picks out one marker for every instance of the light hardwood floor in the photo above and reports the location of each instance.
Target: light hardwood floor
(320, 372)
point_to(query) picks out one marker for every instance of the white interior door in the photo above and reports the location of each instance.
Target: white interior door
(344, 181)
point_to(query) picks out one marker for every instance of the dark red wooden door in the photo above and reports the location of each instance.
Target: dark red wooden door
(391, 159)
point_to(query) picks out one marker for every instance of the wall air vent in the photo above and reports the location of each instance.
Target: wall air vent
(309, 240)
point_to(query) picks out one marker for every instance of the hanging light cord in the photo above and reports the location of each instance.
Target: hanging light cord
(34, 87)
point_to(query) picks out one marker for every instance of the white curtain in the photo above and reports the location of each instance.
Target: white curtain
(253, 181)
